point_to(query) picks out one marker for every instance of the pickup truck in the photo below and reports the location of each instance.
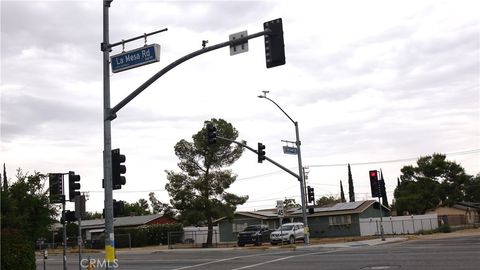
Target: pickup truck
(254, 234)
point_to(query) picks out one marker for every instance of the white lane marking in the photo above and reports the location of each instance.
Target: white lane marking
(226, 259)
(284, 258)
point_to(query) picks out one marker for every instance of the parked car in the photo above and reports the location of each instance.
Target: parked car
(288, 232)
(254, 234)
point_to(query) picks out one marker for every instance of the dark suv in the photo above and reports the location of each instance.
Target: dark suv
(254, 234)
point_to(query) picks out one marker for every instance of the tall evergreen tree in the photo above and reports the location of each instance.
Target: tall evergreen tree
(5, 182)
(342, 194)
(351, 192)
(199, 191)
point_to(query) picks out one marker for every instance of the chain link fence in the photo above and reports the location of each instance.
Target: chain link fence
(194, 239)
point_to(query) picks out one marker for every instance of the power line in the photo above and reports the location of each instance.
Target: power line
(466, 152)
(129, 191)
(473, 151)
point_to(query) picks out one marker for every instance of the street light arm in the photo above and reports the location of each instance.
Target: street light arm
(295, 123)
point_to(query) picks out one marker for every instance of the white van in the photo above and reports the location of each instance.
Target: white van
(288, 232)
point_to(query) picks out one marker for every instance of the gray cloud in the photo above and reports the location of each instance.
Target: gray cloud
(34, 117)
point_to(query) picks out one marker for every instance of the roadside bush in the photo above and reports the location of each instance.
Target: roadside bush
(154, 234)
(17, 251)
(425, 232)
(445, 228)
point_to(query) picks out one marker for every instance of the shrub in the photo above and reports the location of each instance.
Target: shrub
(445, 228)
(17, 251)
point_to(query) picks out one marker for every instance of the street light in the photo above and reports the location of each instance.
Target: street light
(300, 167)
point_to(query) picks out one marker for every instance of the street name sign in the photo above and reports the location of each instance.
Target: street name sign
(135, 58)
(289, 150)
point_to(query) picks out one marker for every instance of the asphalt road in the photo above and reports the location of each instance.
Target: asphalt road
(438, 254)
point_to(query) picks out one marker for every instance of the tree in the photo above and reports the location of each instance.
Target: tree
(325, 201)
(472, 189)
(342, 194)
(199, 191)
(5, 182)
(351, 192)
(160, 208)
(27, 206)
(92, 215)
(289, 204)
(26, 215)
(138, 208)
(432, 182)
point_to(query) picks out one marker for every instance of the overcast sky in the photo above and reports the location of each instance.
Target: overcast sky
(373, 83)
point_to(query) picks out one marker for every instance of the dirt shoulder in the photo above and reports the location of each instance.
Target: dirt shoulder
(457, 233)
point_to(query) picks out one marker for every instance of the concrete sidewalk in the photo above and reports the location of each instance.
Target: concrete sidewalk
(298, 246)
(362, 243)
(340, 244)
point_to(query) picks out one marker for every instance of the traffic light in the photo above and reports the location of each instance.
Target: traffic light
(118, 168)
(374, 186)
(118, 208)
(55, 181)
(261, 152)
(381, 183)
(211, 134)
(274, 45)
(310, 194)
(73, 186)
(69, 216)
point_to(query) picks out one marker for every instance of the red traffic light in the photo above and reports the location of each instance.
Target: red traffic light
(373, 173)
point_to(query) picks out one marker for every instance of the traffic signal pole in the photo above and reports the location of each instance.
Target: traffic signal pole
(107, 142)
(300, 169)
(300, 179)
(256, 152)
(302, 184)
(112, 115)
(109, 113)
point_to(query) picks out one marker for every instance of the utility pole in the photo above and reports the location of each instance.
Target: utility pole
(107, 141)
(64, 234)
(300, 169)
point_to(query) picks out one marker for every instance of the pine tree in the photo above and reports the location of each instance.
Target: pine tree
(199, 191)
(5, 182)
(351, 192)
(342, 194)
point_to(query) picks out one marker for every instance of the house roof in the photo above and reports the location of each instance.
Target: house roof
(337, 209)
(467, 205)
(120, 221)
(261, 214)
(345, 208)
(463, 206)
